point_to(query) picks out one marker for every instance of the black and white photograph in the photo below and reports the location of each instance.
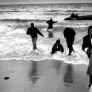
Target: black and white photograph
(45, 45)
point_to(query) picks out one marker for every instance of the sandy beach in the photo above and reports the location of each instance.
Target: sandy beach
(42, 76)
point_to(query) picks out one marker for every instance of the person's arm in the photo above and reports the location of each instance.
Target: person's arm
(65, 33)
(47, 21)
(55, 21)
(62, 49)
(53, 49)
(28, 31)
(39, 32)
(84, 44)
(74, 33)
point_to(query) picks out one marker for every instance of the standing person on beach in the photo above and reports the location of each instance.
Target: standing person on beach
(87, 47)
(87, 42)
(69, 34)
(33, 32)
(50, 27)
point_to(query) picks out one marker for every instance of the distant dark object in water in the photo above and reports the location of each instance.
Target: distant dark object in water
(6, 78)
(76, 17)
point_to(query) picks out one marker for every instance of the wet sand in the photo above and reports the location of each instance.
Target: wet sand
(43, 76)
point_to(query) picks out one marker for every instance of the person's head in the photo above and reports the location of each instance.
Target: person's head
(90, 31)
(51, 19)
(68, 29)
(32, 24)
(58, 41)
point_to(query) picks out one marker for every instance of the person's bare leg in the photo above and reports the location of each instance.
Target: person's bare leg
(34, 43)
(34, 46)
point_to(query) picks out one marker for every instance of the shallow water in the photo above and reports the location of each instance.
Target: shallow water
(15, 19)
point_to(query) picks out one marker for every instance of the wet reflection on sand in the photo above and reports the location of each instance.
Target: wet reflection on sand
(33, 74)
(68, 77)
(55, 75)
(40, 69)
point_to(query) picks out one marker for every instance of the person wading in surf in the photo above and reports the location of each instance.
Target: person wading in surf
(33, 32)
(69, 35)
(50, 27)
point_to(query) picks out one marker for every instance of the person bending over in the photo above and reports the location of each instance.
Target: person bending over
(57, 47)
(69, 34)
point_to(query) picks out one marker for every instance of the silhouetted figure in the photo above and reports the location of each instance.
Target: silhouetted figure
(74, 15)
(33, 32)
(50, 27)
(69, 34)
(57, 47)
(87, 42)
(87, 47)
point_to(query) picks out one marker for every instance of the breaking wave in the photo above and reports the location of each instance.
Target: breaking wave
(78, 57)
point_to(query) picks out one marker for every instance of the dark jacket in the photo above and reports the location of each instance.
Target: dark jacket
(57, 47)
(33, 31)
(87, 44)
(50, 23)
(69, 33)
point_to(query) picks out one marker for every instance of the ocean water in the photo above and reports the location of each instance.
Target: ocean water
(15, 19)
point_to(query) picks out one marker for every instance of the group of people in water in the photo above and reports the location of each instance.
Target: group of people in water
(69, 35)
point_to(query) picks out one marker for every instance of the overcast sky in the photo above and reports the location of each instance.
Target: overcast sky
(42, 1)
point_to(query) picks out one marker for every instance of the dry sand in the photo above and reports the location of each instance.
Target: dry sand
(43, 76)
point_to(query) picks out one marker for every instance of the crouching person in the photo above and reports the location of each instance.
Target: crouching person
(57, 47)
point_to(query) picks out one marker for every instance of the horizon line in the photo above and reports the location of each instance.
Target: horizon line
(47, 3)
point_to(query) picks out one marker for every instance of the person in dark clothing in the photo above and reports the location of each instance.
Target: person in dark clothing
(33, 32)
(57, 47)
(87, 47)
(50, 27)
(87, 42)
(69, 34)
(74, 15)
